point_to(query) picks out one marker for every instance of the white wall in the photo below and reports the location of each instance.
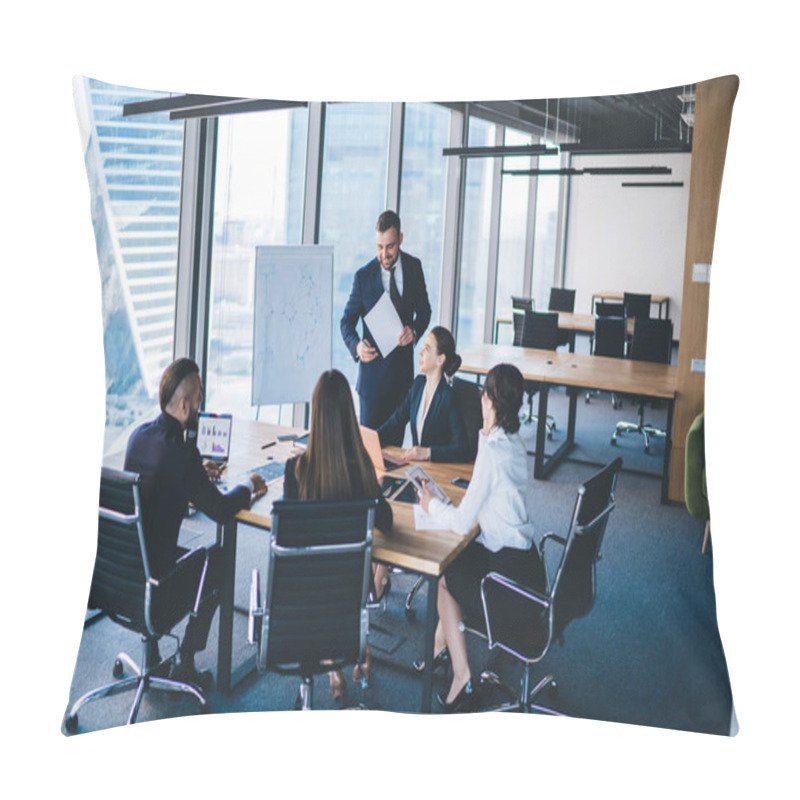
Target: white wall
(628, 239)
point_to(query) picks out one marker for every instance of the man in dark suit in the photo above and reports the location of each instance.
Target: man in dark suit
(383, 381)
(173, 475)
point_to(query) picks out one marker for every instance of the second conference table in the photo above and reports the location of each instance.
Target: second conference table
(577, 372)
(425, 552)
(569, 321)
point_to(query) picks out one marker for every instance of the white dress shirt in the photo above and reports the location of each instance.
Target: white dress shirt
(386, 276)
(496, 495)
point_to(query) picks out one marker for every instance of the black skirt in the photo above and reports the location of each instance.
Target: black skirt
(464, 575)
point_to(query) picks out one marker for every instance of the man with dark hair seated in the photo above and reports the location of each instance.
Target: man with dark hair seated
(173, 475)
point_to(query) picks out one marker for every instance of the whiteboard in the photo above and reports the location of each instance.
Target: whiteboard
(293, 322)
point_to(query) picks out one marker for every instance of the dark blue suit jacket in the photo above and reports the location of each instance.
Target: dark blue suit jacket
(384, 381)
(172, 475)
(443, 430)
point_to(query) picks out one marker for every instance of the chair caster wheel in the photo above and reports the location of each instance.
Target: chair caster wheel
(647, 449)
(410, 613)
(613, 441)
(118, 669)
(71, 724)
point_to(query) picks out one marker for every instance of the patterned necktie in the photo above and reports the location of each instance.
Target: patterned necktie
(394, 294)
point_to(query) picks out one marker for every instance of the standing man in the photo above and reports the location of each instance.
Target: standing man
(173, 475)
(383, 382)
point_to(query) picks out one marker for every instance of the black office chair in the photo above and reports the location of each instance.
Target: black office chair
(124, 588)
(540, 330)
(314, 618)
(562, 300)
(636, 305)
(652, 341)
(525, 622)
(608, 340)
(519, 305)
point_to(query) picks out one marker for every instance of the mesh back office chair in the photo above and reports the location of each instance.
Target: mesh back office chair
(524, 622)
(636, 305)
(540, 330)
(652, 341)
(469, 402)
(314, 618)
(610, 333)
(518, 307)
(124, 588)
(562, 300)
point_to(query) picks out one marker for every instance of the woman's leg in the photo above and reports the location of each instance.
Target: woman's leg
(449, 618)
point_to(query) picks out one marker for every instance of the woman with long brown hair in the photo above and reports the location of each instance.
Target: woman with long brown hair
(336, 466)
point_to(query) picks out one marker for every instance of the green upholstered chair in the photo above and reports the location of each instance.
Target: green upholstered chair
(694, 489)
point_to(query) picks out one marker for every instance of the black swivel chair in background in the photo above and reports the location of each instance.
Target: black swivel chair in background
(610, 333)
(124, 588)
(562, 300)
(540, 331)
(652, 341)
(519, 305)
(637, 305)
(314, 618)
(525, 622)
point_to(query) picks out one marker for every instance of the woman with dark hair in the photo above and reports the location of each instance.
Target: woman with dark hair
(336, 466)
(496, 500)
(431, 406)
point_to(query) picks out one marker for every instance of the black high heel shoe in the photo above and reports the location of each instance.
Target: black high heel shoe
(462, 702)
(440, 661)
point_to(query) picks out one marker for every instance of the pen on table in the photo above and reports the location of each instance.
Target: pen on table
(268, 444)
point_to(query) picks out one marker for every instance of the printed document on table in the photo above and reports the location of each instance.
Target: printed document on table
(384, 324)
(425, 522)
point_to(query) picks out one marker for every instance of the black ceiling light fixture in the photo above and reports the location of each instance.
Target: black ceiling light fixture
(592, 171)
(501, 151)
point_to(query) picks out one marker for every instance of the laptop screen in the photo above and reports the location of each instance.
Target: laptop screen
(214, 435)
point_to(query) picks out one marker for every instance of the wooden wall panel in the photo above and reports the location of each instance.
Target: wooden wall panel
(713, 108)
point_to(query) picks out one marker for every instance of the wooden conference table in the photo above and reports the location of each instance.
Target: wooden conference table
(567, 321)
(427, 553)
(578, 372)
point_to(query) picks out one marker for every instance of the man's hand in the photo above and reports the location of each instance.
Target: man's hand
(406, 337)
(214, 469)
(366, 352)
(259, 486)
(417, 453)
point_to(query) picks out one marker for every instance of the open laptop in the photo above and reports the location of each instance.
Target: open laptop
(214, 436)
(380, 460)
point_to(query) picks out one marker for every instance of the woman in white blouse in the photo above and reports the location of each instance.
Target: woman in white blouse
(495, 500)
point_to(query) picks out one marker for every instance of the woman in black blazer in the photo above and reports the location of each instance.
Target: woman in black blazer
(336, 466)
(431, 406)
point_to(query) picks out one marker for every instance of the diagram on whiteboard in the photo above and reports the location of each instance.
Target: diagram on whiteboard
(293, 320)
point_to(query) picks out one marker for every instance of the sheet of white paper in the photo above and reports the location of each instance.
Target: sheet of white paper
(425, 522)
(384, 324)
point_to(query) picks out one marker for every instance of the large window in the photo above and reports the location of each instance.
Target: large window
(422, 191)
(353, 195)
(545, 232)
(513, 227)
(257, 201)
(475, 247)
(134, 170)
